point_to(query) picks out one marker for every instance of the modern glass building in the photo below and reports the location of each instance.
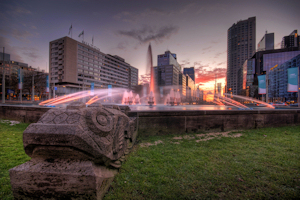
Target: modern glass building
(167, 70)
(240, 47)
(266, 43)
(190, 71)
(292, 40)
(272, 59)
(278, 81)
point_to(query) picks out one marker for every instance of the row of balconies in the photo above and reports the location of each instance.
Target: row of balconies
(102, 82)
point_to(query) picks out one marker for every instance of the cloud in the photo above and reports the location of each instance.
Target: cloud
(144, 79)
(132, 17)
(215, 41)
(149, 13)
(30, 52)
(206, 48)
(21, 35)
(13, 51)
(122, 45)
(218, 54)
(221, 63)
(212, 8)
(203, 74)
(147, 33)
(184, 63)
(17, 11)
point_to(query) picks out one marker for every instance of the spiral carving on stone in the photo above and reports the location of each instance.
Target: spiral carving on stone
(100, 121)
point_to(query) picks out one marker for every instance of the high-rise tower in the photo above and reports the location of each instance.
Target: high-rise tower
(292, 40)
(240, 46)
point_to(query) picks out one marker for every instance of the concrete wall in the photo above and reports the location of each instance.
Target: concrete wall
(23, 114)
(180, 122)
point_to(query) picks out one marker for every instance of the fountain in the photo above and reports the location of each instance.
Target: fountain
(151, 99)
(137, 100)
(127, 98)
(149, 96)
(173, 98)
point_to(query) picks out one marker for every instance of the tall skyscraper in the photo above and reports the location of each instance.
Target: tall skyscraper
(190, 71)
(266, 43)
(292, 40)
(240, 47)
(167, 70)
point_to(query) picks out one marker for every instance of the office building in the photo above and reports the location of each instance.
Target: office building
(261, 63)
(278, 81)
(266, 43)
(190, 71)
(76, 65)
(240, 47)
(292, 40)
(6, 57)
(190, 88)
(264, 60)
(182, 84)
(167, 71)
(12, 87)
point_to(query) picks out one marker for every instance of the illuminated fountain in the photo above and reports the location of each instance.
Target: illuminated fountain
(137, 99)
(127, 98)
(149, 96)
(250, 99)
(99, 95)
(151, 99)
(173, 98)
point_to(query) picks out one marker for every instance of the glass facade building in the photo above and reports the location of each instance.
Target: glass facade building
(241, 46)
(272, 59)
(190, 71)
(278, 80)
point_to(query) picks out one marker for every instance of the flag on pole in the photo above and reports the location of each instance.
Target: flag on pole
(70, 29)
(82, 33)
(93, 40)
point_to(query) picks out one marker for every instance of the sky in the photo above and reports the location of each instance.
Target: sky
(196, 30)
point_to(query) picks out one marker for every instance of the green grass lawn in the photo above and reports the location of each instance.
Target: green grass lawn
(260, 164)
(11, 154)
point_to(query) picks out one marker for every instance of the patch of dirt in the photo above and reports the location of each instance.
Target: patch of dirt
(175, 142)
(147, 144)
(187, 137)
(205, 139)
(177, 138)
(211, 136)
(10, 122)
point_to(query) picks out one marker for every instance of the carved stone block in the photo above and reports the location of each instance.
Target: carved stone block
(75, 152)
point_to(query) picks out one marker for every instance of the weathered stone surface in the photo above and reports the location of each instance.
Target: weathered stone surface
(74, 152)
